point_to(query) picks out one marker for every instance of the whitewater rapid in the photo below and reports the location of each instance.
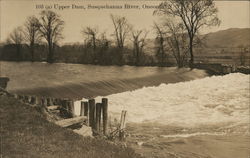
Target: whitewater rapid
(209, 101)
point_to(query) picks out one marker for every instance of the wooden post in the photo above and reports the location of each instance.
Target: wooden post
(229, 69)
(52, 101)
(86, 111)
(33, 100)
(44, 102)
(58, 101)
(26, 99)
(64, 104)
(86, 108)
(22, 98)
(92, 113)
(98, 117)
(71, 108)
(110, 123)
(49, 102)
(82, 109)
(29, 99)
(63, 109)
(38, 101)
(105, 115)
(122, 125)
(122, 121)
(234, 68)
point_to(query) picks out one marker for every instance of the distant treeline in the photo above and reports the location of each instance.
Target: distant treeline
(176, 36)
(79, 53)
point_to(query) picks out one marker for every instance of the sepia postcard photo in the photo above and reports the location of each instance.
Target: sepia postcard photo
(124, 78)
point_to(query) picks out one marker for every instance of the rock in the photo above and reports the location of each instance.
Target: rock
(3, 92)
(84, 131)
(53, 107)
(3, 82)
(139, 143)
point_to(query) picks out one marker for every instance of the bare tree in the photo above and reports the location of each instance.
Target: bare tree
(194, 14)
(103, 40)
(177, 40)
(138, 38)
(32, 34)
(16, 38)
(91, 34)
(160, 42)
(51, 30)
(122, 29)
(121, 32)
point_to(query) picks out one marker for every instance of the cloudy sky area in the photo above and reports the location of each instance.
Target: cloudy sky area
(13, 13)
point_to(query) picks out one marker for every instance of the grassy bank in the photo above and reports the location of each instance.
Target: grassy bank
(25, 132)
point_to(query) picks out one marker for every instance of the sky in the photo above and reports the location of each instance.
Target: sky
(13, 13)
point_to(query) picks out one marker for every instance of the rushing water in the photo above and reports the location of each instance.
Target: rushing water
(199, 118)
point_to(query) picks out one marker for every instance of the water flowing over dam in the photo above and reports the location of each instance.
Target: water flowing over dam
(77, 81)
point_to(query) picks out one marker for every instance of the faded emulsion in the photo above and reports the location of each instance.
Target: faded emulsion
(130, 79)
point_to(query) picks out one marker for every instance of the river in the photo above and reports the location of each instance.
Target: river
(172, 113)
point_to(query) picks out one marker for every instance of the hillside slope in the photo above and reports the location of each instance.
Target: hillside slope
(234, 37)
(26, 133)
(230, 38)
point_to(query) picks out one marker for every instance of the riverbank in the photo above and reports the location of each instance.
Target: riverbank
(25, 132)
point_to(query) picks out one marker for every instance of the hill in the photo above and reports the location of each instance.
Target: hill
(233, 37)
(230, 38)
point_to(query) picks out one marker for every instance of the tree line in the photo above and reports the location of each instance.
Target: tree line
(176, 35)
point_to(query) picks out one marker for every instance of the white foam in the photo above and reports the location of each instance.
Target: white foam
(211, 100)
(193, 134)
